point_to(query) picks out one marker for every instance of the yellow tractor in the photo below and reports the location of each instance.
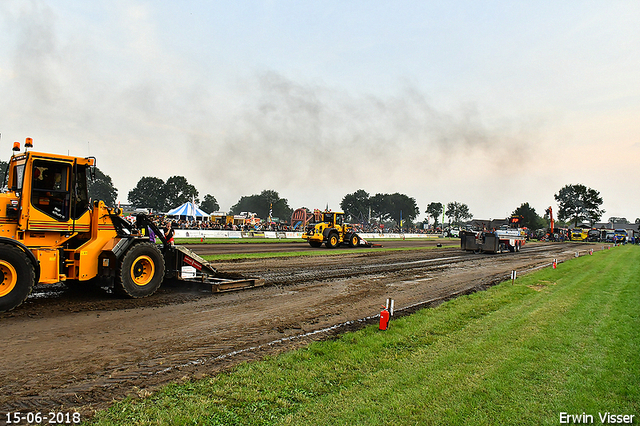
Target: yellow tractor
(332, 231)
(51, 232)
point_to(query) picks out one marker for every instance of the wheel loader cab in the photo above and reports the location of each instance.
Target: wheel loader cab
(328, 217)
(333, 219)
(51, 189)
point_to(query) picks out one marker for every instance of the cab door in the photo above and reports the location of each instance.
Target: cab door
(50, 193)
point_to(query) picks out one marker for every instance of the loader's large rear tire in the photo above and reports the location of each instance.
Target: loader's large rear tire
(17, 277)
(333, 240)
(354, 240)
(141, 271)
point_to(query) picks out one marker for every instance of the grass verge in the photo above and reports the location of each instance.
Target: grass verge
(563, 340)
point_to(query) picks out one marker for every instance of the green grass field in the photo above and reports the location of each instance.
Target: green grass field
(447, 243)
(558, 341)
(328, 252)
(286, 240)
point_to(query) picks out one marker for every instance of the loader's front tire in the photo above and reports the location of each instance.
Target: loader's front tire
(141, 271)
(332, 240)
(17, 277)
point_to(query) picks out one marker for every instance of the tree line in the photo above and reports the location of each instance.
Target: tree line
(576, 203)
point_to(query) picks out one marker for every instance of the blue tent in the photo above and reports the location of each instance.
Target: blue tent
(188, 210)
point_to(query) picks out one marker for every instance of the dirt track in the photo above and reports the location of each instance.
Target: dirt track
(69, 348)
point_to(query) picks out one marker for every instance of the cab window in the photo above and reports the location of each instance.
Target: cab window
(18, 176)
(81, 199)
(50, 189)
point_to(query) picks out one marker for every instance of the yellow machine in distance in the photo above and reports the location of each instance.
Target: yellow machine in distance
(332, 231)
(578, 234)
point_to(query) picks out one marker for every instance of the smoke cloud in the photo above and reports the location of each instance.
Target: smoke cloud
(309, 139)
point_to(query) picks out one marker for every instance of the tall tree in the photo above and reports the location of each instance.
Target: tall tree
(209, 204)
(262, 204)
(403, 208)
(457, 212)
(578, 203)
(102, 189)
(148, 193)
(380, 207)
(178, 191)
(530, 219)
(356, 205)
(396, 207)
(434, 210)
(279, 206)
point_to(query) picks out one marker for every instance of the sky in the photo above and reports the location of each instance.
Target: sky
(488, 103)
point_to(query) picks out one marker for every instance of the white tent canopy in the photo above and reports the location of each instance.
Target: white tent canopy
(188, 210)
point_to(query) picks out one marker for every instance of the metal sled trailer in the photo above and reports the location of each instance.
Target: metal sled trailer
(492, 241)
(185, 265)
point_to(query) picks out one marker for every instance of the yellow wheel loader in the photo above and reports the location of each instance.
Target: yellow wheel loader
(331, 231)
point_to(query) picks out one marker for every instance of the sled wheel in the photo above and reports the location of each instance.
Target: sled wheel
(17, 277)
(141, 271)
(315, 244)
